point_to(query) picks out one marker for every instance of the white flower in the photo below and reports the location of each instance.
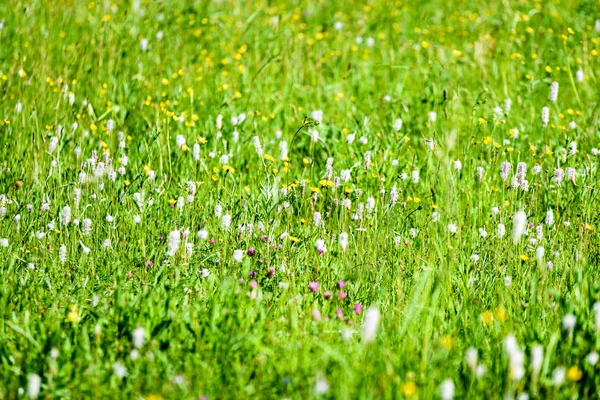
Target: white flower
(343, 241)
(137, 337)
(238, 255)
(320, 245)
(371, 324)
(592, 358)
(33, 385)
(568, 322)
(119, 370)
(519, 225)
(202, 234)
(174, 239)
(447, 389)
(321, 386)
(558, 376)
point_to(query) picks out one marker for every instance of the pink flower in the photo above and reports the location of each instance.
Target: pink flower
(251, 251)
(343, 295)
(358, 308)
(327, 294)
(317, 315)
(314, 286)
(253, 284)
(339, 313)
(341, 284)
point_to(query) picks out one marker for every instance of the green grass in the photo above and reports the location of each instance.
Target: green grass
(220, 328)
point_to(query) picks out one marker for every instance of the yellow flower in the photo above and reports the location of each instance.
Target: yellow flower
(348, 190)
(446, 342)
(73, 315)
(482, 121)
(574, 373)
(457, 53)
(524, 257)
(228, 168)
(425, 44)
(409, 389)
(487, 317)
(500, 313)
(293, 239)
(315, 189)
(487, 140)
(172, 201)
(326, 182)
(269, 157)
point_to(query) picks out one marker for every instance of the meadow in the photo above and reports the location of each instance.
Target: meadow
(297, 200)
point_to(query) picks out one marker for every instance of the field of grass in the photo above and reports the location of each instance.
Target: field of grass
(293, 200)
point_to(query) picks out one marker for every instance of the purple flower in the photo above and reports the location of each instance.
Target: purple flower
(149, 263)
(314, 286)
(251, 251)
(252, 274)
(271, 272)
(253, 284)
(212, 240)
(358, 308)
(263, 238)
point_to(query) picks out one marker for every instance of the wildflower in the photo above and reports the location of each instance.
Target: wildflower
(62, 254)
(238, 255)
(447, 389)
(415, 176)
(545, 116)
(33, 385)
(321, 386)
(137, 337)
(574, 374)
(597, 316)
(592, 358)
(537, 358)
(553, 92)
(313, 286)
(174, 239)
(558, 376)
(519, 225)
(504, 170)
(452, 228)
(86, 226)
(568, 322)
(119, 370)
(343, 238)
(471, 358)
(320, 245)
(370, 324)
(397, 124)
(559, 175)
